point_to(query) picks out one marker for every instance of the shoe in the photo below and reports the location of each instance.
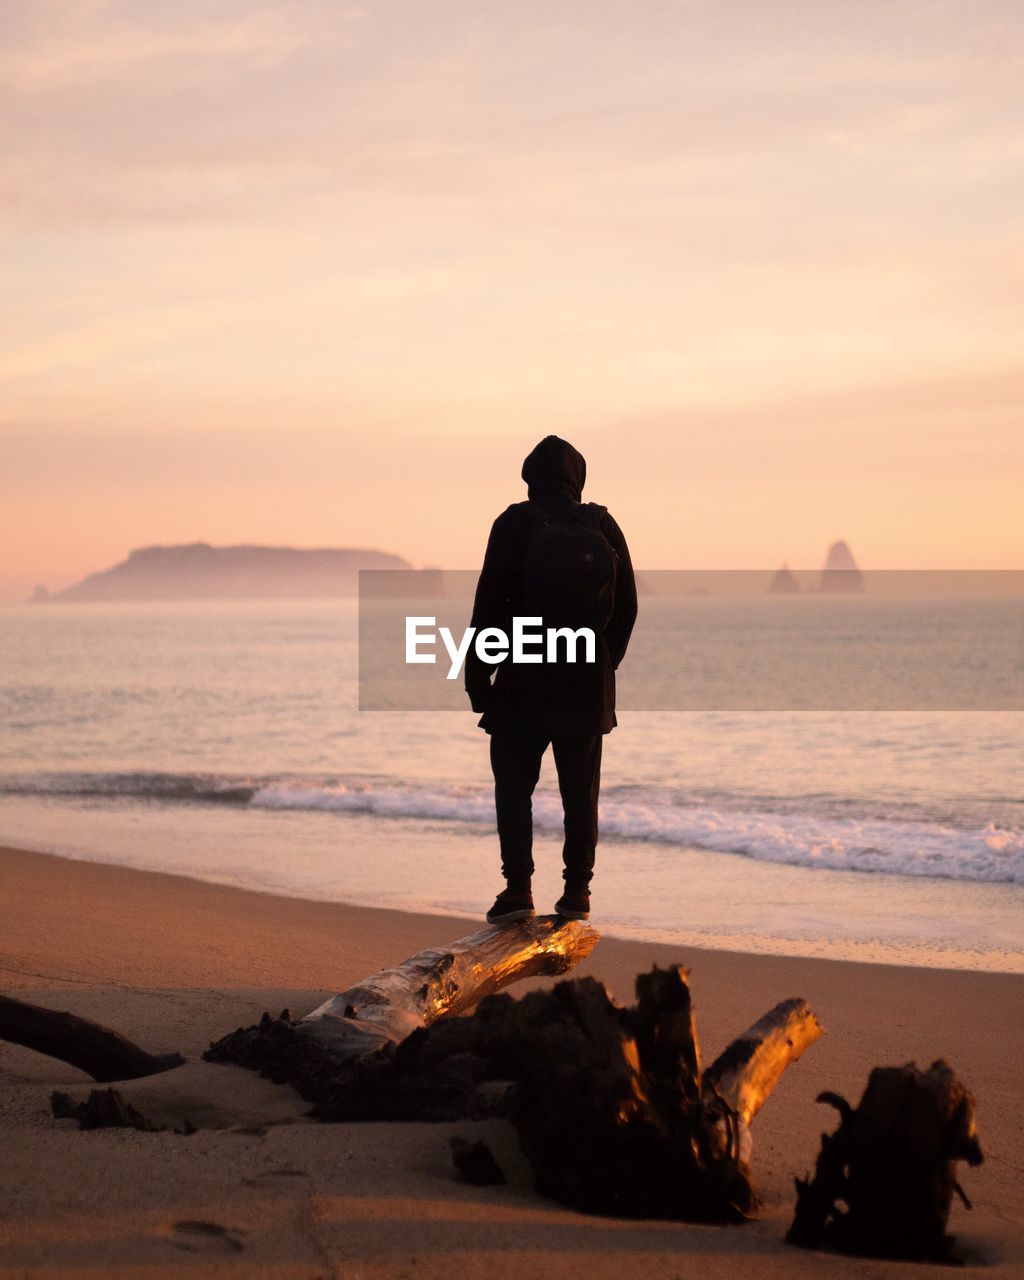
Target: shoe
(509, 906)
(574, 904)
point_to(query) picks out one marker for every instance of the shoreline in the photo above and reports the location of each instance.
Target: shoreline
(179, 884)
(646, 893)
(175, 962)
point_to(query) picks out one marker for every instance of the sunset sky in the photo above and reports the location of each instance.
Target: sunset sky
(318, 273)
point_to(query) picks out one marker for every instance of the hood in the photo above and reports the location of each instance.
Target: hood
(555, 469)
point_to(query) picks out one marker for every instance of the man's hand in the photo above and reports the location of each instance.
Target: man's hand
(480, 693)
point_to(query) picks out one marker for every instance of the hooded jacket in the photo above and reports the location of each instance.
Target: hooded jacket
(555, 471)
(580, 698)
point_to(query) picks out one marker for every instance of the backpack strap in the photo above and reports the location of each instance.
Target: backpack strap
(592, 513)
(588, 513)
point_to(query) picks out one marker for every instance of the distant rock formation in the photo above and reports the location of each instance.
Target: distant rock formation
(784, 582)
(39, 595)
(840, 572)
(200, 572)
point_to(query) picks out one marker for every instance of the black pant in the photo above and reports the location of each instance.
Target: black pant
(516, 753)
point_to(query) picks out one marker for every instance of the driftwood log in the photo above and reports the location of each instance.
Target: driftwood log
(892, 1162)
(615, 1114)
(103, 1109)
(99, 1051)
(368, 1019)
(364, 1024)
(611, 1106)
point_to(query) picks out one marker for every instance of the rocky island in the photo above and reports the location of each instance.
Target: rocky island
(197, 571)
(840, 573)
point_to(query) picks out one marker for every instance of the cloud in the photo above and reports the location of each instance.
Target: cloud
(70, 48)
(139, 112)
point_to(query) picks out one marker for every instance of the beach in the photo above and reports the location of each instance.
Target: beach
(260, 1190)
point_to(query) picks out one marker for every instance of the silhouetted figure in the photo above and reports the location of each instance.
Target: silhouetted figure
(565, 561)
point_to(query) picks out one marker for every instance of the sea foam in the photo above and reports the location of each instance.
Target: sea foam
(813, 831)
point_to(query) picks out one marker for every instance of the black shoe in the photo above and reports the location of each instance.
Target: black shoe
(509, 906)
(574, 904)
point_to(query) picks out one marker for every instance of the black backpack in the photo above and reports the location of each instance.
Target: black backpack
(571, 567)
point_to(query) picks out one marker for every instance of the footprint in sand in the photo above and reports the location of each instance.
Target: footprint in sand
(207, 1232)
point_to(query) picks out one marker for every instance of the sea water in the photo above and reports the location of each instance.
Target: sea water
(224, 741)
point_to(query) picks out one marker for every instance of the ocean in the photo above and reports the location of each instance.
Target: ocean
(223, 741)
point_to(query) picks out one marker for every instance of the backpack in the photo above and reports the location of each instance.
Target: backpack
(571, 567)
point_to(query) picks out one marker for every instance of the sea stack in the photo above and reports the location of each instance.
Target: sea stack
(840, 572)
(784, 583)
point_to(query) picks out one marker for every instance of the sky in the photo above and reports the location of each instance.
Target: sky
(320, 274)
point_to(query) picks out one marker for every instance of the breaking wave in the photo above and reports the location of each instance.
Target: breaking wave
(808, 832)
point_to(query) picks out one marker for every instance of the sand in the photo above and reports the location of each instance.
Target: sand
(174, 963)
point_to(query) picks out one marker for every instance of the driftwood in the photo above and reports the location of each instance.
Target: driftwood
(476, 1164)
(650, 1135)
(610, 1104)
(106, 1109)
(443, 981)
(892, 1162)
(366, 1022)
(750, 1068)
(99, 1051)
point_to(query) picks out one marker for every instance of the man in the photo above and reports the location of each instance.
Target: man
(555, 557)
